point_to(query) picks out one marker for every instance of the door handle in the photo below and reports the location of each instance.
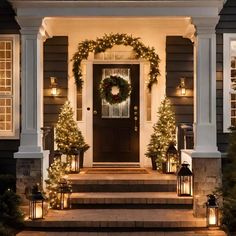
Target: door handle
(95, 112)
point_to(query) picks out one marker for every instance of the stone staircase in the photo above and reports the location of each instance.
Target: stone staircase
(124, 203)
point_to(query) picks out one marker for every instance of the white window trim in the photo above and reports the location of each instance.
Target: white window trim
(15, 86)
(226, 81)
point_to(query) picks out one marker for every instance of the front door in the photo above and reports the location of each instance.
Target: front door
(116, 127)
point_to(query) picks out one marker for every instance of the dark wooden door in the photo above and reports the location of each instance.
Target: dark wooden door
(116, 127)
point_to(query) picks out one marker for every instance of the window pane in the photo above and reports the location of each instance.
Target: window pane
(5, 114)
(233, 81)
(6, 67)
(120, 110)
(149, 105)
(79, 104)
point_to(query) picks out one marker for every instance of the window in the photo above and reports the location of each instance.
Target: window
(9, 86)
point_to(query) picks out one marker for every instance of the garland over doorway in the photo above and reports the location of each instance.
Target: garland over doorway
(108, 41)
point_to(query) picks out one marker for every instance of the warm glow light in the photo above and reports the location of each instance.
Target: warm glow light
(73, 165)
(183, 91)
(185, 187)
(53, 91)
(171, 165)
(38, 211)
(182, 86)
(212, 216)
(54, 86)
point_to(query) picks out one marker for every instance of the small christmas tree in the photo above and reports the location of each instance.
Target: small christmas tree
(68, 135)
(164, 133)
(228, 190)
(56, 172)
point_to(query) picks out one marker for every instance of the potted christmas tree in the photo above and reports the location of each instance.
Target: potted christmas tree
(68, 135)
(163, 135)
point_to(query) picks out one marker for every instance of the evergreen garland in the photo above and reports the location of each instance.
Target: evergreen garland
(68, 135)
(108, 41)
(164, 133)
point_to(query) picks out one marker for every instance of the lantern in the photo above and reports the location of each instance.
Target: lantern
(73, 159)
(184, 180)
(172, 159)
(36, 204)
(54, 86)
(212, 211)
(64, 193)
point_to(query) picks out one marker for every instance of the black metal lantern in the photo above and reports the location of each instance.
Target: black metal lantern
(73, 160)
(212, 211)
(36, 204)
(172, 159)
(57, 154)
(184, 180)
(64, 194)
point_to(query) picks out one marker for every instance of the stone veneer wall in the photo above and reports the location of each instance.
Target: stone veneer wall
(207, 177)
(29, 173)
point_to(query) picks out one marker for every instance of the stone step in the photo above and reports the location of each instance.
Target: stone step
(123, 185)
(130, 200)
(118, 219)
(136, 233)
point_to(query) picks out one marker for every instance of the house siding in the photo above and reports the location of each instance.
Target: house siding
(179, 64)
(227, 24)
(55, 65)
(8, 25)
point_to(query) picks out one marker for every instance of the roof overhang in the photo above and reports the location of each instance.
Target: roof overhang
(63, 8)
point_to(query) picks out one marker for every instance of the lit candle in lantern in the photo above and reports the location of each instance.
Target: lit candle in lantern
(212, 216)
(39, 210)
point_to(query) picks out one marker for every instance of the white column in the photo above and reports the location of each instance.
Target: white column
(205, 144)
(32, 36)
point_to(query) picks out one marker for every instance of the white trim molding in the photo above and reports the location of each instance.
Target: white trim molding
(227, 38)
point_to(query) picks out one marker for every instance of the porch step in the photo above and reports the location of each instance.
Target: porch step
(136, 233)
(130, 200)
(118, 219)
(115, 185)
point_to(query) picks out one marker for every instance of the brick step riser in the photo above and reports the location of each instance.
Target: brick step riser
(131, 206)
(123, 188)
(114, 226)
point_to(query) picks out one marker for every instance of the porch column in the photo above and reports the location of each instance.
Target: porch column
(206, 162)
(31, 158)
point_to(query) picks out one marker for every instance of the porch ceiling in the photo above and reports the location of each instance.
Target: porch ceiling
(46, 8)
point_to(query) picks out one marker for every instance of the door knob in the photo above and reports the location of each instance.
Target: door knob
(95, 112)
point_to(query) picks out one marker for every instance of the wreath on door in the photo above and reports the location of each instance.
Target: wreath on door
(114, 89)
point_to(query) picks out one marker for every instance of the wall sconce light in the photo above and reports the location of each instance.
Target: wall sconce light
(182, 86)
(54, 86)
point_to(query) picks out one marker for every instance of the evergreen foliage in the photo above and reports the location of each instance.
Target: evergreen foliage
(56, 172)
(11, 217)
(164, 133)
(68, 136)
(228, 190)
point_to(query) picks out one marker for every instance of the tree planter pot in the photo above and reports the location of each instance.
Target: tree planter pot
(154, 164)
(164, 167)
(81, 159)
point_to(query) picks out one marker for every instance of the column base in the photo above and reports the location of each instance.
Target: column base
(31, 169)
(207, 177)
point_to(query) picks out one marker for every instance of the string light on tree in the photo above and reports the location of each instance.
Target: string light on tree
(164, 133)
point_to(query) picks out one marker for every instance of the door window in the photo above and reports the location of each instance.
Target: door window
(121, 110)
